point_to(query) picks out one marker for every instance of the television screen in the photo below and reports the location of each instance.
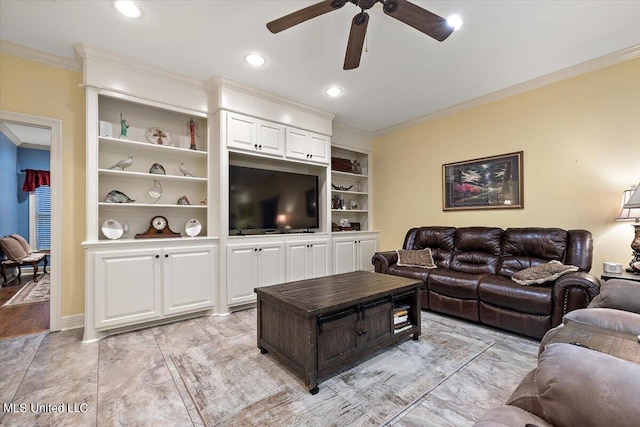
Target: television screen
(269, 200)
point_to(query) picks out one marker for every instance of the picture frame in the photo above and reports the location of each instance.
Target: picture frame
(493, 182)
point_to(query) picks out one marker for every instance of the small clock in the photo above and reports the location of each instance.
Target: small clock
(158, 227)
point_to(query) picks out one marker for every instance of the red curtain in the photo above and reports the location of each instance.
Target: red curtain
(35, 179)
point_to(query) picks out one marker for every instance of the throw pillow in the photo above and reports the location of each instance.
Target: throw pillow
(542, 273)
(23, 243)
(421, 258)
(12, 248)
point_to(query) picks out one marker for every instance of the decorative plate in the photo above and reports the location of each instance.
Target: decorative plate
(193, 227)
(159, 136)
(112, 229)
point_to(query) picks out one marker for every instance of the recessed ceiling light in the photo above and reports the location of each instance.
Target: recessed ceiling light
(455, 22)
(128, 8)
(333, 91)
(255, 59)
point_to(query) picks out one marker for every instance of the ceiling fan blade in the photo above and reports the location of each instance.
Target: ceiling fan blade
(305, 14)
(356, 41)
(419, 18)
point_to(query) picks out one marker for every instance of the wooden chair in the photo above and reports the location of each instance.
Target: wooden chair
(19, 253)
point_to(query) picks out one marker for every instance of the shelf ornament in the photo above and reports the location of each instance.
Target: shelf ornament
(155, 191)
(157, 169)
(116, 196)
(123, 127)
(183, 169)
(192, 131)
(123, 163)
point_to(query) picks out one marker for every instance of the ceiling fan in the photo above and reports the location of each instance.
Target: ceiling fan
(409, 13)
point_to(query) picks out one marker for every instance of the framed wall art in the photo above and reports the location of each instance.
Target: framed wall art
(488, 183)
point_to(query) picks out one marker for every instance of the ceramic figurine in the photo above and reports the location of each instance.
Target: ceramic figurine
(123, 127)
(183, 201)
(192, 127)
(158, 169)
(184, 170)
(115, 196)
(123, 163)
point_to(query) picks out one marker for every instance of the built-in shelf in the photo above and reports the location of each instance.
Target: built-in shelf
(349, 192)
(150, 205)
(119, 173)
(127, 143)
(350, 210)
(349, 174)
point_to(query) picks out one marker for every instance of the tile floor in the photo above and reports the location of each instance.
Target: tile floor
(130, 379)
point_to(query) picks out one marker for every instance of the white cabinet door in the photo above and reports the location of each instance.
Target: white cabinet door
(319, 148)
(127, 286)
(367, 247)
(297, 144)
(241, 132)
(189, 278)
(344, 255)
(271, 264)
(318, 259)
(297, 261)
(242, 273)
(307, 259)
(271, 138)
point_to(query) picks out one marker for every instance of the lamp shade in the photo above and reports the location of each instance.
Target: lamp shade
(630, 209)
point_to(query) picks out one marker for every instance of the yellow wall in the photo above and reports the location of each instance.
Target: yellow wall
(34, 88)
(581, 143)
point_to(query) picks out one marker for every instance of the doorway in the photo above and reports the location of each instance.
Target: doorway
(54, 128)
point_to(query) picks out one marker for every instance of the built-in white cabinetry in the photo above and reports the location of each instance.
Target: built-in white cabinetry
(251, 265)
(255, 135)
(353, 251)
(258, 136)
(307, 259)
(350, 188)
(303, 145)
(153, 281)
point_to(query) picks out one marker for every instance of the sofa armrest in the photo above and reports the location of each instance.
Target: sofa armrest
(571, 292)
(382, 260)
(619, 294)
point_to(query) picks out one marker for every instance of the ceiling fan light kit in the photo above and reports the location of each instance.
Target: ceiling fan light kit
(422, 20)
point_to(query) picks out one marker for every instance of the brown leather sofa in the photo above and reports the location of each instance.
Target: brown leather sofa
(474, 269)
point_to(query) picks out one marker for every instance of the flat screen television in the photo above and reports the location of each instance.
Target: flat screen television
(264, 200)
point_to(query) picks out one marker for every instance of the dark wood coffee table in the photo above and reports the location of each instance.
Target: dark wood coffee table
(318, 326)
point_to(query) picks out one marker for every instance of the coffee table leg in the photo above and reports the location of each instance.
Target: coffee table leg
(415, 336)
(263, 350)
(314, 390)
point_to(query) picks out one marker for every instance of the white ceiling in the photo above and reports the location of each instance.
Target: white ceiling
(27, 136)
(404, 75)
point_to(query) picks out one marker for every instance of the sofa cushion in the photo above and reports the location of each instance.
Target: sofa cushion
(527, 247)
(438, 239)
(25, 245)
(620, 294)
(415, 258)
(477, 250)
(581, 387)
(543, 273)
(12, 249)
(454, 283)
(503, 292)
(607, 318)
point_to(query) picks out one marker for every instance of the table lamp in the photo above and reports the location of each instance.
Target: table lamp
(630, 211)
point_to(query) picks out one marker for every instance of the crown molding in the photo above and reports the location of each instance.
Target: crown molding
(39, 56)
(351, 129)
(84, 51)
(225, 82)
(566, 73)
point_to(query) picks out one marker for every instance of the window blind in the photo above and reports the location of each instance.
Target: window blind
(41, 216)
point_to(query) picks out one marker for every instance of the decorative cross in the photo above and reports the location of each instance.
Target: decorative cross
(159, 134)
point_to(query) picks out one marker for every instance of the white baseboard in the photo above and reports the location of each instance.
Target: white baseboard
(72, 322)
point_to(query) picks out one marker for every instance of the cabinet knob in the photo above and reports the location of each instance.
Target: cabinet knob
(260, 147)
(310, 156)
(256, 146)
(363, 332)
(255, 249)
(260, 249)
(157, 256)
(166, 255)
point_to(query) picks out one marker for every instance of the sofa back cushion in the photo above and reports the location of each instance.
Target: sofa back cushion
(575, 386)
(438, 239)
(527, 247)
(476, 250)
